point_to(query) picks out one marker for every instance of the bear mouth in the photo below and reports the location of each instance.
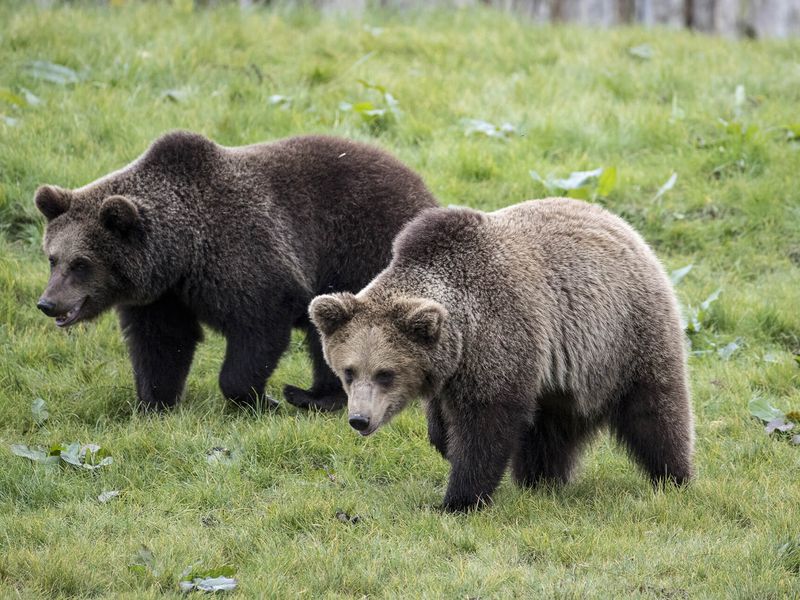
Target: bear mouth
(369, 430)
(71, 316)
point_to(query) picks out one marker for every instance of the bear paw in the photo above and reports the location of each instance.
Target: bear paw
(325, 402)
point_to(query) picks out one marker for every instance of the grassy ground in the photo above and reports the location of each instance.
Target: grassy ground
(578, 100)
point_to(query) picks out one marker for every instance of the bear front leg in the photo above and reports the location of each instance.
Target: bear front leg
(161, 339)
(479, 446)
(326, 391)
(437, 428)
(250, 358)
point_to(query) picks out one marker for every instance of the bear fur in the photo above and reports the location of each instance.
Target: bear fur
(524, 331)
(240, 239)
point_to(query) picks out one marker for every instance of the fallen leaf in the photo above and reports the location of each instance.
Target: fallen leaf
(477, 126)
(107, 496)
(279, 100)
(642, 51)
(221, 455)
(345, 518)
(144, 562)
(51, 72)
(778, 424)
(668, 185)
(175, 95)
(219, 579)
(728, 350)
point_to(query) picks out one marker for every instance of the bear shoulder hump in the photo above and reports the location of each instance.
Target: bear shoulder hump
(438, 227)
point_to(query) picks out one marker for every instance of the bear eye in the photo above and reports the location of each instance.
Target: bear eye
(384, 378)
(348, 376)
(52, 261)
(80, 265)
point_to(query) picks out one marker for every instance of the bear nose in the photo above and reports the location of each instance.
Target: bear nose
(46, 307)
(359, 423)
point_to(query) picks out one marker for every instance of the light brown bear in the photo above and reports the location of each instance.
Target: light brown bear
(524, 331)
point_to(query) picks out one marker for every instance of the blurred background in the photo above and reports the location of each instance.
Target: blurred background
(748, 18)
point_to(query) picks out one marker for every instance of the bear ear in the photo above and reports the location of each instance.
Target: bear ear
(51, 201)
(331, 311)
(420, 319)
(118, 214)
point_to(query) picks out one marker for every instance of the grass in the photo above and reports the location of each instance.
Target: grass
(578, 100)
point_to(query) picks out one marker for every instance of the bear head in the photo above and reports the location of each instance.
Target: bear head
(86, 241)
(119, 239)
(385, 352)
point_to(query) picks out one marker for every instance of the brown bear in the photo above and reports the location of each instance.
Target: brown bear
(240, 239)
(524, 331)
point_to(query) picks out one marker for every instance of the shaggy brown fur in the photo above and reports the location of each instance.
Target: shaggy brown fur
(525, 331)
(240, 239)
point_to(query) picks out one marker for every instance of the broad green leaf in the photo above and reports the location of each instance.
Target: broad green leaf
(576, 179)
(607, 181)
(728, 350)
(536, 177)
(711, 299)
(72, 455)
(677, 275)
(39, 411)
(33, 454)
(144, 562)
(372, 86)
(581, 193)
(761, 408)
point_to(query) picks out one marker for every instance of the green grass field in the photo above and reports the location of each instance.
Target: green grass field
(577, 100)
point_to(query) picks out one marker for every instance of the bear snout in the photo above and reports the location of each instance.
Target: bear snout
(359, 422)
(47, 307)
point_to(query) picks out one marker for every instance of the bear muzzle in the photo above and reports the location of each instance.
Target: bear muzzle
(359, 422)
(64, 316)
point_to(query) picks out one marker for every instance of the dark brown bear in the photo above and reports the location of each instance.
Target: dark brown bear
(525, 331)
(240, 239)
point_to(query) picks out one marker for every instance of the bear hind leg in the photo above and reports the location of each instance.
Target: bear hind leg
(549, 450)
(654, 422)
(326, 391)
